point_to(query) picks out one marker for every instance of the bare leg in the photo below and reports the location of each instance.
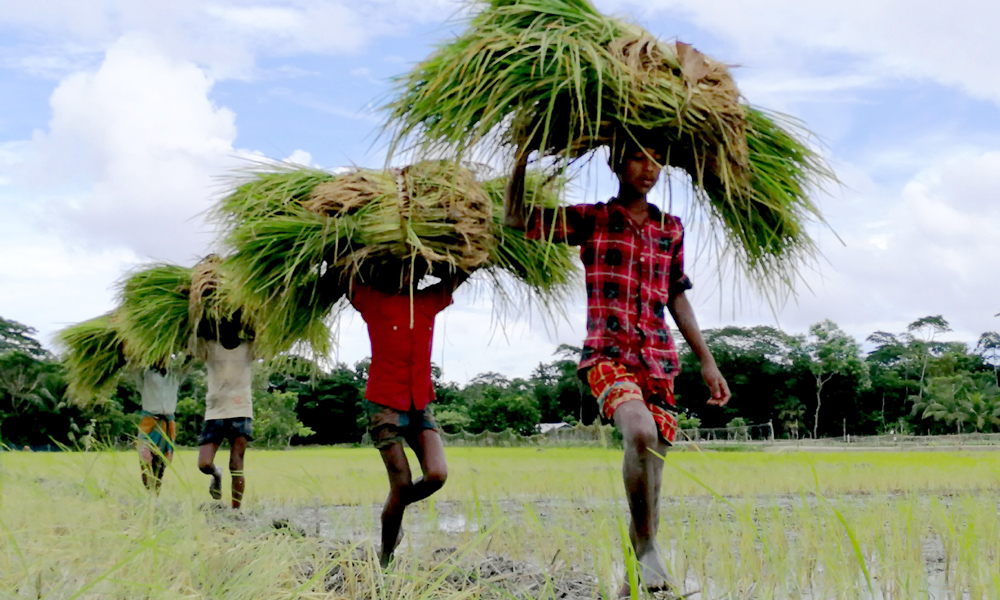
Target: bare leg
(146, 466)
(430, 453)
(160, 467)
(642, 471)
(398, 470)
(236, 454)
(206, 463)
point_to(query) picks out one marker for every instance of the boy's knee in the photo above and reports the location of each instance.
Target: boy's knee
(642, 437)
(206, 467)
(436, 477)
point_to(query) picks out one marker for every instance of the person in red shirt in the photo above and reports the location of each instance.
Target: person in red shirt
(633, 255)
(399, 389)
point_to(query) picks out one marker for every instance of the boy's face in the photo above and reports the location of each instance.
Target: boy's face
(641, 169)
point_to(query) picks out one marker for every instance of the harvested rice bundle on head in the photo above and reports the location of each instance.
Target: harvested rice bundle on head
(558, 78)
(94, 355)
(298, 237)
(154, 318)
(163, 306)
(277, 253)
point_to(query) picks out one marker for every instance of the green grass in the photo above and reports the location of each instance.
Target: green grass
(738, 525)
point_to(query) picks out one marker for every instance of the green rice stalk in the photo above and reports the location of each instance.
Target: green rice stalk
(558, 77)
(154, 317)
(94, 356)
(545, 271)
(298, 237)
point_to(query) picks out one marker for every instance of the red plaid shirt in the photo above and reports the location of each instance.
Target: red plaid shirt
(632, 272)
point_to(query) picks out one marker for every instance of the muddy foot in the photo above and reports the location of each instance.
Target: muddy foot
(663, 594)
(386, 558)
(215, 486)
(653, 575)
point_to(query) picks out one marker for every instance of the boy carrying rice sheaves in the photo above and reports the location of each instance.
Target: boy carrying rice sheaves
(95, 358)
(168, 310)
(303, 239)
(399, 390)
(157, 426)
(558, 80)
(633, 255)
(227, 349)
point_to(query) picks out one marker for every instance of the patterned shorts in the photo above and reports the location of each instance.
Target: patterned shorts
(157, 431)
(388, 426)
(614, 384)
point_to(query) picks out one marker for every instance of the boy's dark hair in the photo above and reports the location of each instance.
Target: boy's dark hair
(626, 143)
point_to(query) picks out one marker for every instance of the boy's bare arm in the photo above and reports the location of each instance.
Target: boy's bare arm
(683, 315)
(513, 202)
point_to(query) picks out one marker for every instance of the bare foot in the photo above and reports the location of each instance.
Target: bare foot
(653, 575)
(215, 486)
(653, 572)
(387, 557)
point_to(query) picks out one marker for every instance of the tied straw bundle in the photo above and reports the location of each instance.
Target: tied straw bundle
(299, 237)
(163, 305)
(560, 78)
(94, 355)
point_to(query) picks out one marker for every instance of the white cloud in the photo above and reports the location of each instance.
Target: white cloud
(948, 42)
(924, 248)
(225, 37)
(48, 283)
(140, 147)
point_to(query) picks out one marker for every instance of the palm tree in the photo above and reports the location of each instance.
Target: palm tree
(960, 399)
(791, 413)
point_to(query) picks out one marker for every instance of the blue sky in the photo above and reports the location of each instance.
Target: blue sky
(120, 122)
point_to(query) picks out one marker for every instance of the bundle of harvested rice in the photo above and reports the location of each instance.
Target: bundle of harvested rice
(562, 78)
(559, 77)
(298, 237)
(94, 356)
(546, 271)
(208, 298)
(154, 317)
(164, 309)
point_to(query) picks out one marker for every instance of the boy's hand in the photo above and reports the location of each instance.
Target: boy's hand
(716, 384)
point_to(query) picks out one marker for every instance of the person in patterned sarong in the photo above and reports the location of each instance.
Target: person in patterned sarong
(633, 255)
(157, 427)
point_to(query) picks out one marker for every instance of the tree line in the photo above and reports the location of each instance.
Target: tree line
(817, 384)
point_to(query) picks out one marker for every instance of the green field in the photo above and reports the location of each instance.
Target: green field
(517, 522)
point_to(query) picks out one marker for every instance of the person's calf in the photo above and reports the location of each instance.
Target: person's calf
(239, 485)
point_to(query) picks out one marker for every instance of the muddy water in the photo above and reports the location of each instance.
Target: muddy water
(434, 530)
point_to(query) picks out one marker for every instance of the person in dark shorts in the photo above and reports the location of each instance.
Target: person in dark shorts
(399, 390)
(227, 350)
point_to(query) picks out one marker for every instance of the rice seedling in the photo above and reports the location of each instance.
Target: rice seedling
(560, 78)
(300, 238)
(94, 355)
(511, 522)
